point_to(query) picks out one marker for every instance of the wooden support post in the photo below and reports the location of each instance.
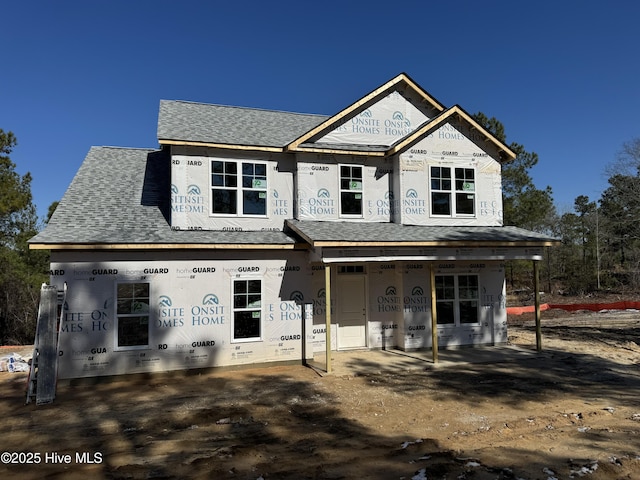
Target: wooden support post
(536, 286)
(434, 315)
(327, 298)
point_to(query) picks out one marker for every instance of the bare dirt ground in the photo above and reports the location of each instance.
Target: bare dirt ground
(572, 411)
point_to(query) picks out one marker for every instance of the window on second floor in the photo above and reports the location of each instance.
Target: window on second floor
(351, 190)
(453, 192)
(238, 188)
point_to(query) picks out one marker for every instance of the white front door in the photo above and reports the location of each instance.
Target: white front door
(352, 329)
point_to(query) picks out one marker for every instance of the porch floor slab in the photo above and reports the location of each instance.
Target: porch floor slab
(362, 362)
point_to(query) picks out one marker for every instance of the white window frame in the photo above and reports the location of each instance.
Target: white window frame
(457, 300)
(118, 316)
(239, 189)
(352, 189)
(235, 309)
(467, 188)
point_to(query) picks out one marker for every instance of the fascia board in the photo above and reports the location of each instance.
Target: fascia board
(430, 125)
(166, 246)
(435, 243)
(225, 146)
(378, 92)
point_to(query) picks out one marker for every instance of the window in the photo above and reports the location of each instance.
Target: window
(238, 188)
(453, 197)
(247, 309)
(351, 269)
(456, 299)
(441, 191)
(351, 190)
(132, 315)
(465, 191)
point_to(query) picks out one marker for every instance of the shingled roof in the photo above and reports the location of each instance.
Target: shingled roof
(190, 122)
(120, 196)
(347, 234)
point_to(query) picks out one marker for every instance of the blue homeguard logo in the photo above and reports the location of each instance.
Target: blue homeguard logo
(389, 302)
(323, 204)
(319, 303)
(209, 313)
(297, 296)
(192, 202)
(415, 303)
(412, 204)
(210, 299)
(398, 125)
(399, 117)
(165, 301)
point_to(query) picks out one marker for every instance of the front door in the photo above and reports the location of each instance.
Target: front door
(352, 330)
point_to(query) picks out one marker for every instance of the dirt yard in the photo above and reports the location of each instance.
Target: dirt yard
(571, 412)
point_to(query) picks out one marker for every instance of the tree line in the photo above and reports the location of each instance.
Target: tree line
(600, 247)
(600, 238)
(22, 271)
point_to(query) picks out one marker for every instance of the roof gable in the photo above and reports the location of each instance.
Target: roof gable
(477, 133)
(376, 121)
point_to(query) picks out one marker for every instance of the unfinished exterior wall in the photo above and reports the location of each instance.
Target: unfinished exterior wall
(192, 190)
(190, 311)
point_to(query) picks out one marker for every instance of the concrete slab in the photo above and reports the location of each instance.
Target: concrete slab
(362, 362)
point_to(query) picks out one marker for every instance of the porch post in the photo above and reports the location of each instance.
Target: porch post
(434, 315)
(327, 298)
(536, 286)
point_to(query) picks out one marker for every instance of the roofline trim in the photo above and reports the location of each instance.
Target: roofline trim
(227, 146)
(167, 246)
(294, 146)
(435, 243)
(455, 110)
(333, 151)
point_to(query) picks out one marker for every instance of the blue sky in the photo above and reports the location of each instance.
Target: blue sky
(562, 76)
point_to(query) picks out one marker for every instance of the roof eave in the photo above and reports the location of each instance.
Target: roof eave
(168, 246)
(433, 243)
(506, 153)
(224, 146)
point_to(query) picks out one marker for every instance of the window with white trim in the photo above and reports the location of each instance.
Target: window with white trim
(132, 315)
(457, 299)
(247, 309)
(351, 190)
(453, 197)
(238, 188)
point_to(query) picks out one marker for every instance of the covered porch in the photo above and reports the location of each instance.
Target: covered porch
(414, 289)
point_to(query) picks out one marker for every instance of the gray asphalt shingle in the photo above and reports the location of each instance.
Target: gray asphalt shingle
(205, 123)
(121, 196)
(359, 232)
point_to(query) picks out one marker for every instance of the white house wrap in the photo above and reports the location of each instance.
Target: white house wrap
(256, 236)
